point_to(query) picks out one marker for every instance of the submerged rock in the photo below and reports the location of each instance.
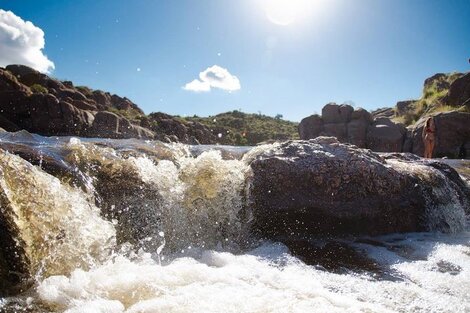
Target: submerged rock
(46, 227)
(322, 187)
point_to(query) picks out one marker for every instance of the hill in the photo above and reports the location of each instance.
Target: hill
(44, 105)
(241, 129)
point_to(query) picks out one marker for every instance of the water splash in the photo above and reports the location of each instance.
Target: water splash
(58, 229)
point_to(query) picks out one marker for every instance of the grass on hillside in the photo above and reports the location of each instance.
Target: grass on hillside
(432, 100)
(238, 128)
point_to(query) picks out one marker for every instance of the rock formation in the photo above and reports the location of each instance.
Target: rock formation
(354, 126)
(321, 186)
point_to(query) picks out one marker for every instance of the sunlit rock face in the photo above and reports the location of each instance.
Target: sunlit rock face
(323, 187)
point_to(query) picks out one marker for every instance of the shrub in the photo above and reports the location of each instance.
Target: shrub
(36, 88)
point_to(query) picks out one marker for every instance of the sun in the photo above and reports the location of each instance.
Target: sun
(286, 12)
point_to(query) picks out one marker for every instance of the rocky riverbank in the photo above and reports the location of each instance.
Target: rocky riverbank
(56, 192)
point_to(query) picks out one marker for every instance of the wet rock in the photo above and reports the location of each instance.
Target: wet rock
(333, 256)
(40, 221)
(321, 187)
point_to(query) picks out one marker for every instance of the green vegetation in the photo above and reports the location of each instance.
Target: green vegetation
(433, 99)
(36, 88)
(238, 128)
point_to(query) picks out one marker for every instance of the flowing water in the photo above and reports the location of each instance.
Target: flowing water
(175, 237)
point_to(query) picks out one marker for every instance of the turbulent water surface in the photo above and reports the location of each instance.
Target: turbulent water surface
(195, 253)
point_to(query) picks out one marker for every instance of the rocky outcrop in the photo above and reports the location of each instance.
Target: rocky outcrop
(383, 135)
(35, 102)
(459, 92)
(354, 126)
(178, 130)
(383, 112)
(310, 127)
(452, 135)
(322, 187)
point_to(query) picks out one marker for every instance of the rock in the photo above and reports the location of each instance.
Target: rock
(333, 113)
(383, 112)
(440, 81)
(124, 104)
(408, 143)
(385, 136)
(8, 82)
(357, 131)
(83, 105)
(193, 141)
(110, 125)
(102, 98)
(403, 107)
(47, 162)
(29, 77)
(72, 94)
(459, 92)
(68, 84)
(7, 125)
(305, 189)
(106, 124)
(165, 125)
(361, 114)
(310, 127)
(36, 239)
(338, 130)
(452, 134)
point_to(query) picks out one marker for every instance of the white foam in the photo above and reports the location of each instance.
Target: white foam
(268, 279)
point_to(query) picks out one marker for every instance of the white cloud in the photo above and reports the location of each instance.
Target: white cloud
(21, 43)
(214, 77)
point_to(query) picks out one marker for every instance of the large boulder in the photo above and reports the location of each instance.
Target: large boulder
(310, 127)
(110, 125)
(338, 130)
(8, 82)
(452, 135)
(357, 131)
(321, 187)
(383, 135)
(334, 113)
(361, 114)
(459, 92)
(30, 77)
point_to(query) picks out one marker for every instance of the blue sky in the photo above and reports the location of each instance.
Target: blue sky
(371, 52)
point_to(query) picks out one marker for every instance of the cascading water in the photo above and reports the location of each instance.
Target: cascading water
(173, 236)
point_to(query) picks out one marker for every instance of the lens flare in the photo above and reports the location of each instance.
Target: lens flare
(286, 12)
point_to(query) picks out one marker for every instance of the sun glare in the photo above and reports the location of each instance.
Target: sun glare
(286, 12)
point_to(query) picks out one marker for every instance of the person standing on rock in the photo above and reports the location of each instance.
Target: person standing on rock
(429, 137)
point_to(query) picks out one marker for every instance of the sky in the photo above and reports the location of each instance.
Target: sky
(204, 57)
